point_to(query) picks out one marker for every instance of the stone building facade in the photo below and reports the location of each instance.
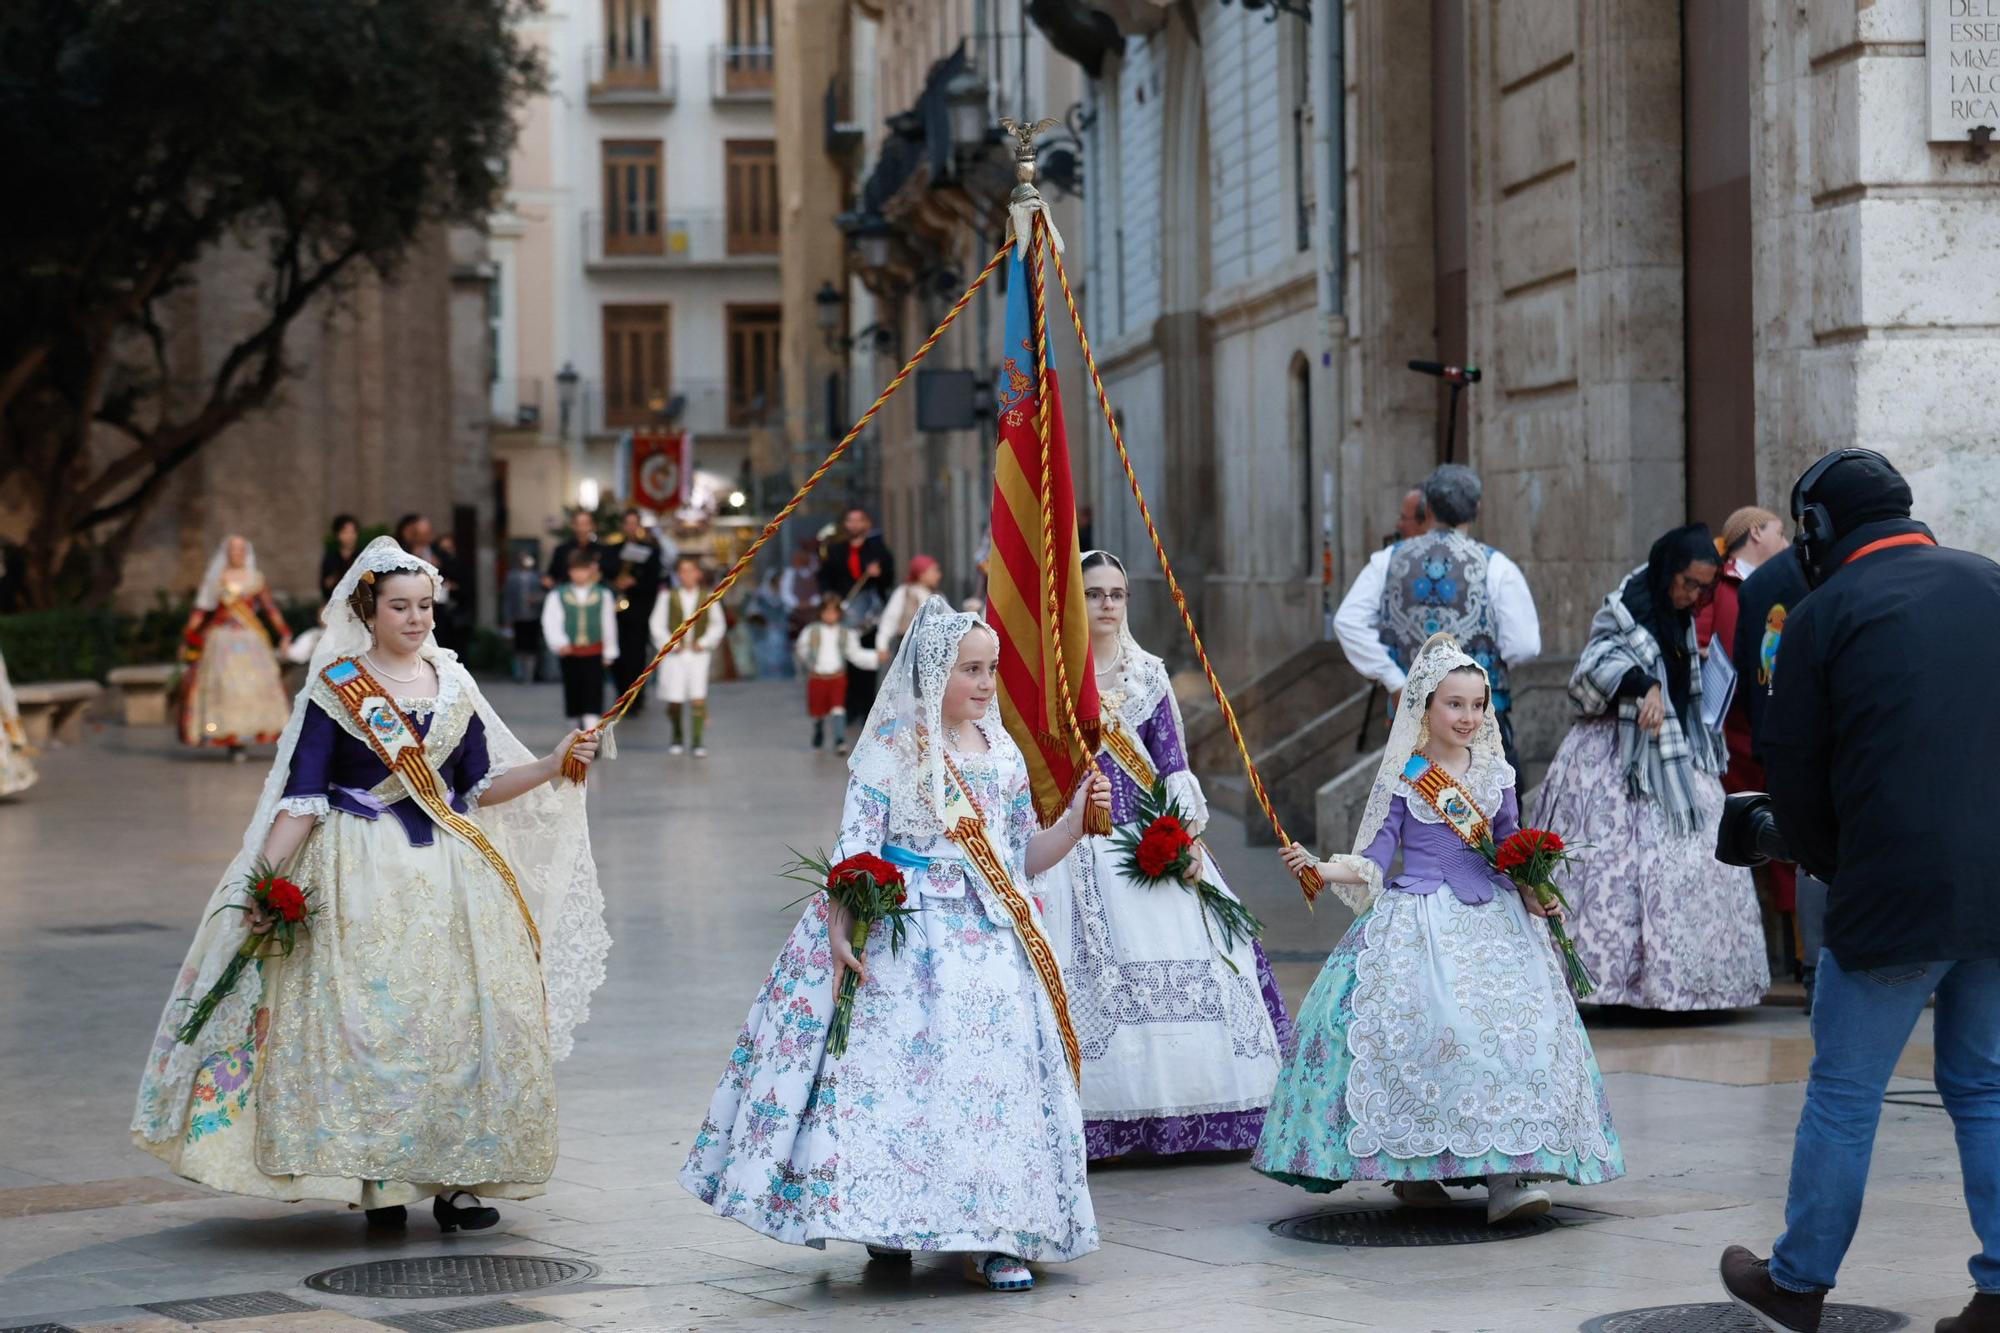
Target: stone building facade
(1690, 246)
(381, 417)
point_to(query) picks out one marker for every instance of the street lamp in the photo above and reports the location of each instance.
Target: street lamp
(566, 382)
(871, 234)
(828, 312)
(965, 98)
(587, 495)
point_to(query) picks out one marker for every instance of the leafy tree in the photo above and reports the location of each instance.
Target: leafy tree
(137, 136)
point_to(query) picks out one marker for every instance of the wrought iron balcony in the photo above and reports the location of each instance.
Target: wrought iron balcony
(632, 75)
(742, 73)
(641, 237)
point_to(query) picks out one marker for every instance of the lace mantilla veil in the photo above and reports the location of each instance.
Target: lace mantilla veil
(1144, 681)
(1438, 658)
(542, 834)
(209, 595)
(897, 750)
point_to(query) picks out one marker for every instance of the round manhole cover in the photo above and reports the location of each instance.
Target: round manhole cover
(1724, 1317)
(450, 1275)
(1378, 1227)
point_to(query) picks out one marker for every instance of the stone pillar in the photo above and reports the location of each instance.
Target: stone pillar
(1875, 293)
(1576, 292)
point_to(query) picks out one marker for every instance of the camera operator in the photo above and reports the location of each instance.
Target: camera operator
(1877, 746)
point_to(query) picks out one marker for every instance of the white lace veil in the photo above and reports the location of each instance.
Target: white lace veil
(209, 595)
(1438, 658)
(542, 834)
(895, 754)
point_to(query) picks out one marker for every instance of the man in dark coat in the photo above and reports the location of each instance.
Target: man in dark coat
(1880, 751)
(631, 564)
(582, 533)
(858, 569)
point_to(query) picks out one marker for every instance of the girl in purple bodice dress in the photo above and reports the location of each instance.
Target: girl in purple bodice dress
(1440, 1043)
(1181, 1035)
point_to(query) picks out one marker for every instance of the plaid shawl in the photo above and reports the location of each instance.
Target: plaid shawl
(1661, 767)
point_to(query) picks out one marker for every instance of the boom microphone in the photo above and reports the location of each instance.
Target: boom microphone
(1450, 374)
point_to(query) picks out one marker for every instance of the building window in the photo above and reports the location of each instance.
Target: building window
(1304, 189)
(636, 357)
(753, 362)
(634, 178)
(631, 51)
(751, 187)
(1302, 457)
(747, 59)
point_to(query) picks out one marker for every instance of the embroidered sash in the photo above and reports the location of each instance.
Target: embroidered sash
(244, 613)
(1124, 747)
(965, 825)
(390, 733)
(1446, 795)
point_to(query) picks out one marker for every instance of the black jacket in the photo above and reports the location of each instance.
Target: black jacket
(1779, 584)
(1883, 755)
(837, 577)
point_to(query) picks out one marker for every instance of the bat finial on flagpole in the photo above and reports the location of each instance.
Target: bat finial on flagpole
(1026, 200)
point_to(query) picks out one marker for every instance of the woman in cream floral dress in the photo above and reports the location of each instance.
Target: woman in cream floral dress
(406, 1049)
(234, 692)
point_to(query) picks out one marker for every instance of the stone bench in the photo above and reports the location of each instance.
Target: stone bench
(142, 692)
(55, 709)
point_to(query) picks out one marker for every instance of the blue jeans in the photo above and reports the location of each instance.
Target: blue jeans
(1860, 1023)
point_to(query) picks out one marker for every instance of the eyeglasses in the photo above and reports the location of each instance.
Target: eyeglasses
(1115, 596)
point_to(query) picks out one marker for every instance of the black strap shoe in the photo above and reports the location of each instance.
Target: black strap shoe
(453, 1217)
(388, 1219)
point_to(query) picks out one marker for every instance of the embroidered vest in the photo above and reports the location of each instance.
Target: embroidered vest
(583, 621)
(1438, 582)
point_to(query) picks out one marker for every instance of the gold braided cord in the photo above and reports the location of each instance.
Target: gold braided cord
(1051, 604)
(1309, 879)
(624, 701)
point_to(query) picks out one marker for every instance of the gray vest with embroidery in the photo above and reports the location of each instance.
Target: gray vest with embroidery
(1438, 582)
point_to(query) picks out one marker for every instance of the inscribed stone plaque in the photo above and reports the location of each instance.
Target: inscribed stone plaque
(1962, 48)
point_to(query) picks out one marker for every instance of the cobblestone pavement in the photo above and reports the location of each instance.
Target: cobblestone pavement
(104, 866)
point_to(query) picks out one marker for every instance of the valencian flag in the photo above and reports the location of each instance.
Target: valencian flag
(1057, 729)
(660, 469)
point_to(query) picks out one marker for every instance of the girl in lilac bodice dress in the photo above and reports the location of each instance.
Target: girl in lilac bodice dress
(1440, 1043)
(1181, 1037)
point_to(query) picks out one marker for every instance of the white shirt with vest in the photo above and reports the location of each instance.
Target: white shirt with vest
(1517, 627)
(706, 639)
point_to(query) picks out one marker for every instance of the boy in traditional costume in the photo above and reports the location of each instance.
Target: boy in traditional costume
(1440, 1043)
(684, 674)
(580, 626)
(825, 649)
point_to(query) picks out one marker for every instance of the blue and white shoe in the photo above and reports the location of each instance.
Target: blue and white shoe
(1002, 1272)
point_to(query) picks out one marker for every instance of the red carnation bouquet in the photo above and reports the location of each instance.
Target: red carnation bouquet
(276, 911)
(872, 890)
(1159, 848)
(1531, 858)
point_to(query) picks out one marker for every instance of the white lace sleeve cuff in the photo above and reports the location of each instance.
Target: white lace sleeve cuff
(1359, 897)
(478, 789)
(313, 807)
(1185, 790)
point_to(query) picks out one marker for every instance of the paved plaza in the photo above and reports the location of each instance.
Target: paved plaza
(105, 866)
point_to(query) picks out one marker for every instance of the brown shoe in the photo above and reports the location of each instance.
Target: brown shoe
(1747, 1279)
(1982, 1315)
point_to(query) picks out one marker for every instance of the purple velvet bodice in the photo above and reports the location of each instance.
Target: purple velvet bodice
(332, 764)
(1434, 856)
(1162, 741)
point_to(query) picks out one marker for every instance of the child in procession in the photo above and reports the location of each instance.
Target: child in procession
(580, 626)
(684, 673)
(1440, 1044)
(825, 649)
(956, 1125)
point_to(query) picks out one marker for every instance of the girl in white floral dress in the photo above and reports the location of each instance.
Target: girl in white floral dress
(951, 1123)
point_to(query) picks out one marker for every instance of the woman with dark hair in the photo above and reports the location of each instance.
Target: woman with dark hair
(1636, 786)
(343, 544)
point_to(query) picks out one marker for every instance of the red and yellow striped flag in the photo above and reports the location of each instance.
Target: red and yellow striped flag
(1048, 688)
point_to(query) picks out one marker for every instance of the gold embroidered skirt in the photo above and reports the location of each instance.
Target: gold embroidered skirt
(237, 696)
(399, 1052)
